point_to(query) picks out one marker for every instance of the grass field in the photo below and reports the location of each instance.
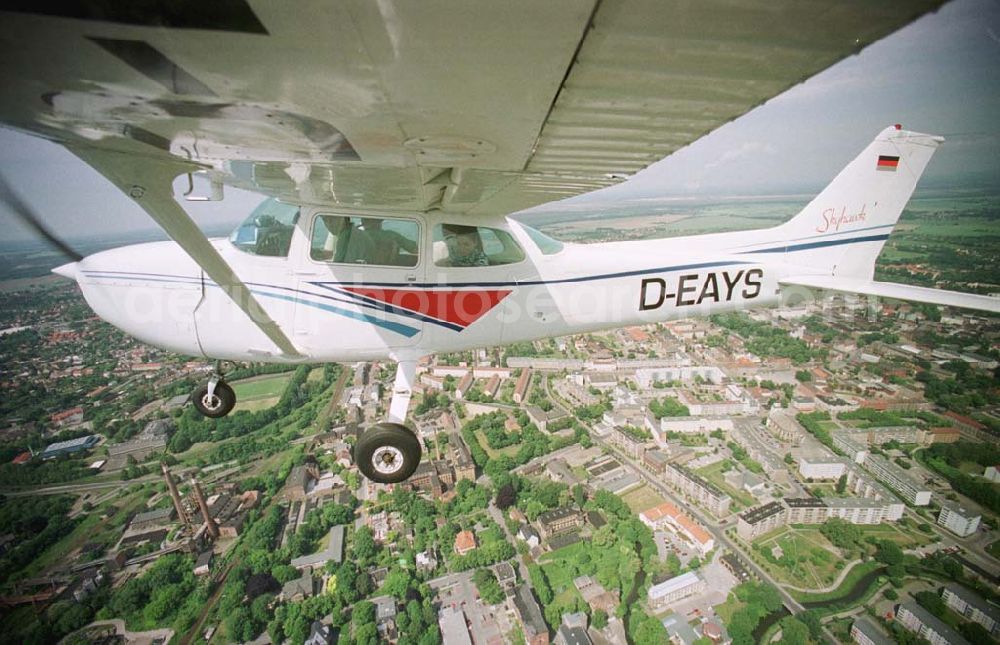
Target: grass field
(807, 560)
(994, 549)
(642, 498)
(728, 608)
(510, 451)
(260, 393)
(858, 572)
(560, 568)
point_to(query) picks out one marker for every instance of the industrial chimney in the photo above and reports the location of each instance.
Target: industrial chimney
(213, 530)
(174, 495)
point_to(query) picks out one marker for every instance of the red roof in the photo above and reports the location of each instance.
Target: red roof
(465, 541)
(22, 458)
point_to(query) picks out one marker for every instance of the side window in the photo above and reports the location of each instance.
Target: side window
(458, 245)
(268, 230)
(365, 240)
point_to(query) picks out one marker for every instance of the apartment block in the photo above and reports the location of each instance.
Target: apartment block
(958, 520)
(898, 480)
(973, 607)
(922, 623)
(697, 488)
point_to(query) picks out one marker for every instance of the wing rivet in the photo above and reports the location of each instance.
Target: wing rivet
(136, 192)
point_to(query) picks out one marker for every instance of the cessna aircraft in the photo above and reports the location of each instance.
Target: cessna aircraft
(394, 139)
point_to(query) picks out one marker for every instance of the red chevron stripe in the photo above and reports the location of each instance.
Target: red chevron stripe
(457, 307)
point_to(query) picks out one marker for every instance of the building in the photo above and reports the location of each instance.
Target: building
(560, 520)
(864, 632)
(465, 541)
(655, 461)
(856, 510)
(529, 535)
(204, 563)
(697, 488)
(973, 607)
(816, 462)
(898, 480)
(521, 388)
(320, 634)
(334, 551)
(385, 617)
(783, 425)
(992, 473)
(855, 450)
(462, 462)
(634, 447)
(595, 595)
(804, 510)
(299, 589)
(70, 447)
(674, 589)
(758, 521)
(454, 626)
(695, 425)
(958, 520)
(666, 515)
(536, 632)
(921, 622)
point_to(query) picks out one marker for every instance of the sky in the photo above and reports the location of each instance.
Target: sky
(939, 75)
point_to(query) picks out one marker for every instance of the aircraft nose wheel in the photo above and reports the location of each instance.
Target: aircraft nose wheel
(387, 453)
(214, 402)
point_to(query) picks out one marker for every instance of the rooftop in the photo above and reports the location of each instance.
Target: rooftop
(674, 584)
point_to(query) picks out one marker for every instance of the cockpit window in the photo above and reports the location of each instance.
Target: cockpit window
(459, 245)
(382, 241)
(545, 244)
(268, 230)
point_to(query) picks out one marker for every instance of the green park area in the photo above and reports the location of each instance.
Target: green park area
(802, 558)
(260, 392)
(642, 498)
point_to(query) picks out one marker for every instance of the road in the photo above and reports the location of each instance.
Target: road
(497, 516)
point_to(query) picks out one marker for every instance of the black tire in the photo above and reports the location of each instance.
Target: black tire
(393, 443)
(219, 405)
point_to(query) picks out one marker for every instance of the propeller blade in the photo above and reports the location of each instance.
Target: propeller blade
(28, 216)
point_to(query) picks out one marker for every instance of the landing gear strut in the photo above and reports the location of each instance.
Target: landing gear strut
(214, 399)
(389, 452)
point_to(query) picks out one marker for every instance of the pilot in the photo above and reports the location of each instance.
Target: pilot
(465, 247)
(388, 244)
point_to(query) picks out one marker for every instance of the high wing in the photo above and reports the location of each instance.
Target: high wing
(486, 107)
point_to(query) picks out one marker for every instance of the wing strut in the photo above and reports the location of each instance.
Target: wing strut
(150, 183)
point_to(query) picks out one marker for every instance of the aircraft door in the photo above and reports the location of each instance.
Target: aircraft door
(355, 286)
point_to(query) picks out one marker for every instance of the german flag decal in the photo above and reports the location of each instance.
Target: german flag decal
(885, 162)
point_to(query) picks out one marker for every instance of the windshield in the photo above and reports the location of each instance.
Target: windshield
(268, 230)
(545, 244)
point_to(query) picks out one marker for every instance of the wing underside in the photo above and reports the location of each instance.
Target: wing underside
(468, 107)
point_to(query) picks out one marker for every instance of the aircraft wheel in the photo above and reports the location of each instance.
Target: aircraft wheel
(218, 404)
(387, 453)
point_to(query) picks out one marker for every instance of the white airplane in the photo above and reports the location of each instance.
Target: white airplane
(396, 138)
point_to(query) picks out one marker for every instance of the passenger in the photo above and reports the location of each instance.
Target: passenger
(389, 245)
(465, 247)
(353, 244)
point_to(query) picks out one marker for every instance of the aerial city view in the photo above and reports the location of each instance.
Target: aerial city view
(586, 322)
(824, 471)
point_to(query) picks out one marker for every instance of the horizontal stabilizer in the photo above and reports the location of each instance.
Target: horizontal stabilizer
(896, 291)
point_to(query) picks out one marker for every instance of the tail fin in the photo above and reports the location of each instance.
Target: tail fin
(842, 231)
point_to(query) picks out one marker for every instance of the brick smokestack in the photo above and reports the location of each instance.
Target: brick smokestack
(213, 530)
(174, 495)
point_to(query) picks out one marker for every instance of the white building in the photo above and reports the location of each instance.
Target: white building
(958, 520)
(693, 425)
(973, 607)
(675, 589)
(896, 478)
